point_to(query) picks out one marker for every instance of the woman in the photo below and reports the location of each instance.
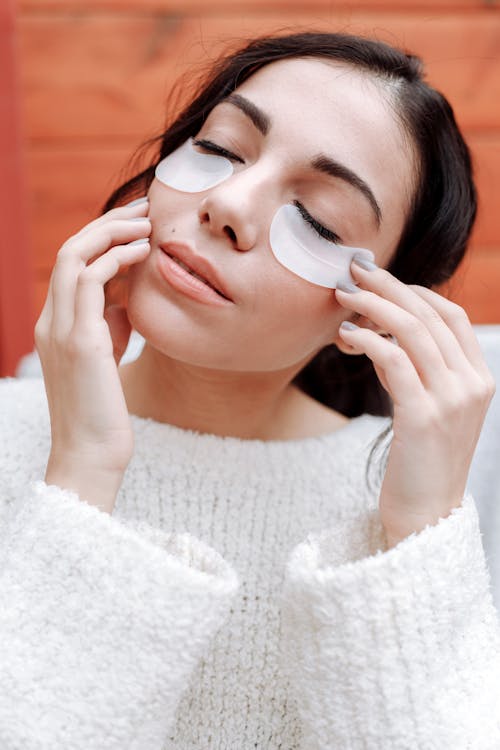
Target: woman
(205, 563)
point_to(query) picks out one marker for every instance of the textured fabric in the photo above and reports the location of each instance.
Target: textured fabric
(130, 631)
(484, 477)
(424, 609)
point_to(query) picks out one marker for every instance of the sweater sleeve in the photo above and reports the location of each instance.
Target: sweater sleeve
(394, 648)
(101, 625)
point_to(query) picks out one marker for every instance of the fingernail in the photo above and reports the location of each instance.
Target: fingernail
(139, 218)
(139, 242)
(347, 287)
(348, 326)
(137, 201)
(364, 263)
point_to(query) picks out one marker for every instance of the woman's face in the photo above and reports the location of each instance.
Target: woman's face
(283, 119)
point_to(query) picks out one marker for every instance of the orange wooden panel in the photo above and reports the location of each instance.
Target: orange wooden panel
(200, 6)
(476, 286)
(109, 76)
(67, 189)
(15, 273)
(41, 286)
(486, 154)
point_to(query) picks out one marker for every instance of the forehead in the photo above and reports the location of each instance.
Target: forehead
(317, 105)
(321, 94)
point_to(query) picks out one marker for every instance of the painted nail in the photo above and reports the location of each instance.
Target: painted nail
(348, 326)
(364, 263)
(138, 201)
(350, 288)
(139, 218)
(139, 242)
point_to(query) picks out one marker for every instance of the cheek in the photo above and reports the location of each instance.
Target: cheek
(298, 313)
(166, 205)
(298, 296)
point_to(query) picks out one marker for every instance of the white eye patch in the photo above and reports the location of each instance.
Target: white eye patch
(298, 247)
(190, 171)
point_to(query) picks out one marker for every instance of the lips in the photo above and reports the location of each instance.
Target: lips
(196, 265)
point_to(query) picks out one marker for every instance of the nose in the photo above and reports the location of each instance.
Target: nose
(235, 210)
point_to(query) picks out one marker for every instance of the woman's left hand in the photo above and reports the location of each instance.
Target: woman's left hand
(440, 386)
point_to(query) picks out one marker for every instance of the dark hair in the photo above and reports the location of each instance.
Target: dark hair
(442, 211)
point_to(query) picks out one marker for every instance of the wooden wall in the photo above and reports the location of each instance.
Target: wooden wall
(95, 77)
(16, 263)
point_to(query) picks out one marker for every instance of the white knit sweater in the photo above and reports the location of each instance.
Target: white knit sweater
(239, 597)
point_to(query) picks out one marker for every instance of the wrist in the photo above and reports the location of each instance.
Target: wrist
(396, 532)
(95, 485)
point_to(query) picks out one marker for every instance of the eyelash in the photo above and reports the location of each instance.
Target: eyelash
(215, 149)
(327, 234)
(322, 231)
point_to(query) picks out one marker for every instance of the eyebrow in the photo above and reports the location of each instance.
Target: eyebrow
(261, 121)
(321, 162)
(334, 168)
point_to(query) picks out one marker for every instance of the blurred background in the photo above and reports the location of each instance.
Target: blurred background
(84, 82)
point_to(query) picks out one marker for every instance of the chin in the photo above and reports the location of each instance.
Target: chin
(194, 338)
(169, 331)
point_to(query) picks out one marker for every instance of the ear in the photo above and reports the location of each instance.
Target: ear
(363, 322)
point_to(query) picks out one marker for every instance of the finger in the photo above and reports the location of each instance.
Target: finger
(90, 297)
(411, 333)
(72, 260)
(101, 237)
(458, 322)
(135, 208)
(130, 210)
(385, 284)
(400, 377)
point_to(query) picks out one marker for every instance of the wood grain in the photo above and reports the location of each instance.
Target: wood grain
(68, 187)
(217, 6)
(16, 283)
(486, 156)
(111, 77)
(97, 77)
(476, 285)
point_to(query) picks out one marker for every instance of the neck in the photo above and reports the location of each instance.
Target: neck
(251, 405)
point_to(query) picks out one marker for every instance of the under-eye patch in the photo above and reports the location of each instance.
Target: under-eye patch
(190, 171)
(298, 247)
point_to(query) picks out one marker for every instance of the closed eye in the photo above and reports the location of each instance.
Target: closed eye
(327, 234)
(213, 148)
(322, 231)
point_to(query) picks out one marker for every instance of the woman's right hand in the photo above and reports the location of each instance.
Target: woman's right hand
(79, 343)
